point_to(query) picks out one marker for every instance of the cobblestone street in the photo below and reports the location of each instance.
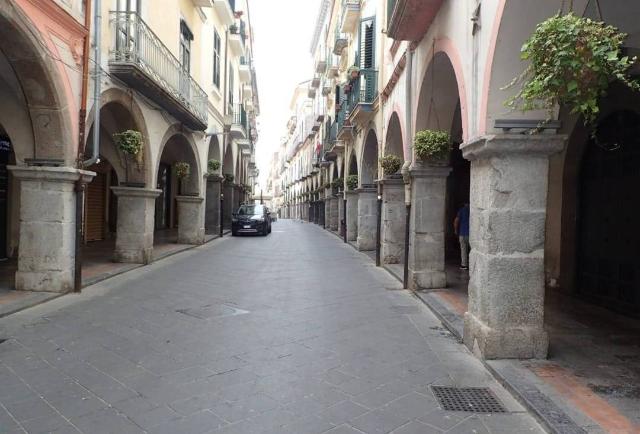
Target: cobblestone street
(243, 335)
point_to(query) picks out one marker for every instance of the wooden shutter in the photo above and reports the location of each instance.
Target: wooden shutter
(367, 43)
(95, 208)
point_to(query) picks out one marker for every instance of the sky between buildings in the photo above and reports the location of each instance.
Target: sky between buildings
(282, 31)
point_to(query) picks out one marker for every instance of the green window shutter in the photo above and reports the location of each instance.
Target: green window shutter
(366, 54)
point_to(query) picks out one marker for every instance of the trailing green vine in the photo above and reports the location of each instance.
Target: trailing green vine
(572, 62)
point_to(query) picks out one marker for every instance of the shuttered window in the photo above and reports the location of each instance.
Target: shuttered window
(216, 58)
(367, 43)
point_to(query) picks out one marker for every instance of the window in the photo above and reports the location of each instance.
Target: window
(216, 58)
(185, 46)
(231, 85)
(367, 43)
(128, 6)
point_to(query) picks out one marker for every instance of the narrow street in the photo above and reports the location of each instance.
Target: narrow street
(242, 335)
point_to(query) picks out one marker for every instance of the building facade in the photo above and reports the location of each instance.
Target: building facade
(386, 70)
(177, 73)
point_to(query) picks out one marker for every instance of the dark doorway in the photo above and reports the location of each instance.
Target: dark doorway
(163, 203)
(5, 159)
(608, 267)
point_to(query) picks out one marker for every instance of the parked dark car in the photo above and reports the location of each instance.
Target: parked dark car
(251, 219)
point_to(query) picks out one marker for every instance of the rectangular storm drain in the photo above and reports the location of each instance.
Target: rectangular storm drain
(473, 399)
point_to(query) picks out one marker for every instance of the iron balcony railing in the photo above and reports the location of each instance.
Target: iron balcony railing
(240, 117)
(330, 134)
(137, 44)
(245, 61)
(239, 30)
(364, 89)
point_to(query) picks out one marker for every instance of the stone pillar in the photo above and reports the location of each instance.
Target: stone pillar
(136, 222)
(509, 178)
(229, 201)
(341, 218)
(352, 215)
(190, 220)
(46, 260)
(212, 210)
(367, 219)
(334, 213)
(327, 211)
(427, 231)
(393, 221)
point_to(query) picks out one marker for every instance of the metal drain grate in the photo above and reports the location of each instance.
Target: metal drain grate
(473, 399)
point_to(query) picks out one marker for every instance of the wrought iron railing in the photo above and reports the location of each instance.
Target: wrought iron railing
(137, 44)
(240, 117)
(239, 30)
(364, 89)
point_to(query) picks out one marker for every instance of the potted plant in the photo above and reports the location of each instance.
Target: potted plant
(130, 143)
(352, 182)
(572, 62)
(213, 166)
(183, 173)
(228, 177)
(390, 164)
(353, 72)
(337, 183)
(432, 145)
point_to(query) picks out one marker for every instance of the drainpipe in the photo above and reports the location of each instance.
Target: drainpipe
(79, 185)
(379, 225)
(405, 168)
(97, 32)
(224, 134)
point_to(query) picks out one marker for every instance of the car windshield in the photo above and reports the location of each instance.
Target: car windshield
(251, 210)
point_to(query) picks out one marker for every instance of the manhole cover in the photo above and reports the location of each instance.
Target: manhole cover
(473, 399)
(211, 311)
(406, 310)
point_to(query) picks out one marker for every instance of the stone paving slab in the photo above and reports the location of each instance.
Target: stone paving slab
(317, 343)
(12, 301)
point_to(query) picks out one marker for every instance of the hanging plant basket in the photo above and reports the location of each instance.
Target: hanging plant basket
(432, 145)
(130, 144)
(573, 60)
(390, 164)
(213, 166)
(352, 182)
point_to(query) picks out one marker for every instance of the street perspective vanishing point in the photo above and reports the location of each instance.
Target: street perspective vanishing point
(319, 216)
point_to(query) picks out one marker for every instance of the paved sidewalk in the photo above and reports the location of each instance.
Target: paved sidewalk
(292, 333)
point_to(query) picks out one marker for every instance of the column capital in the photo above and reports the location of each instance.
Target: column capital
(44, 173)
(214, 178)
(136, 192)
(503, 144)
(190, 199)
(351, 193)
(390, 181)
(429, 171)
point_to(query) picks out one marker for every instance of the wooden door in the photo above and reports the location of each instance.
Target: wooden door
(95, 208)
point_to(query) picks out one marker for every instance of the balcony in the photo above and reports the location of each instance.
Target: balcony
(237, 37)
(143, 62)
(350, 15)
(409, 20)
(321, 63)
(202, 3)
(340, 42)
(225, 10)
(330, 137)
(362, 96)
(311, 93)
(239, 125)
(244, 70)
(247, 92)
(315, 82)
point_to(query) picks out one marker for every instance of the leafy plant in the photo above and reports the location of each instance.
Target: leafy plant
(337, 183)
(183, 170)
(390, 164)
(228, 177)
(213, 166)
(352, 182)
(432, 144)
(129, 142)
(572, 62)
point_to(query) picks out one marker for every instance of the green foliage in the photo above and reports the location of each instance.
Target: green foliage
(390, 164)
(183, 170)
(432, 144)
(337, 183)
(213, 166)
(352, 182)
(228, 177)
(572, 62)
(129, 142)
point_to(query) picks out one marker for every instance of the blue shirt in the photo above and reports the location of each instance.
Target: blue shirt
(463, 221)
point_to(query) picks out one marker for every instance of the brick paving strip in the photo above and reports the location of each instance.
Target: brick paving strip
(292, 333)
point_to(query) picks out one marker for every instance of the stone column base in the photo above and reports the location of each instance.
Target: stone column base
(393, 221)
(136, 221)
(46, 259)
(190, 220)
(367, 219)
(212, 206)
(510, 343)
(352, 216)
